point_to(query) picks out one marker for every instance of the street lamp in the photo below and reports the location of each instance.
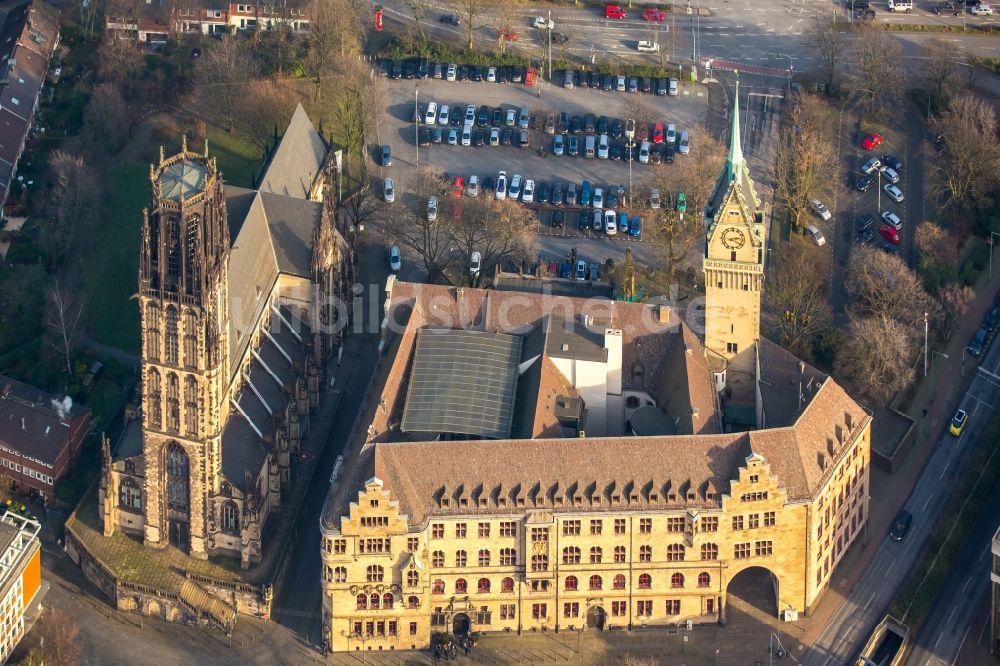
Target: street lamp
(416, 123)
(630, 145)
(992, 234)
(790, 66)
(933, 353)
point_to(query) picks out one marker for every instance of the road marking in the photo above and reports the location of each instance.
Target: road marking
(987, 372)
(927, 502)
(951, 616)
(960, 645)
(891, 565)
(940, 636)
(941, 476)
(966, 586)
(870, 601)
(985, 550)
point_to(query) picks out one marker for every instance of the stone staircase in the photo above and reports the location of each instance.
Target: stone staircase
(205, 604)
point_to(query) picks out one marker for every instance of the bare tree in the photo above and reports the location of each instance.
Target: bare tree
(63, 318)
(265, 107)
(118, 59)
(88, 15)
(354, 92)
(365, 206)
(936, 242)
(827, 37)
(471, 10)
(430, 240)
(506, 13)
(796, 295)
(61, 633)
(639, 112)
(419, 10)
(884, 288)
(72, 199)
(806, 162)
(969, 168)
(939, 69)
(675, 232)
(874, 67)
(876, 357)
(955, 301)
(224, 72)
(498, 230)
(106, 120)
(334, 29)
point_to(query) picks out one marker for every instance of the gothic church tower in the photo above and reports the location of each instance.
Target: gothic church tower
(183, 299)
(734, 260)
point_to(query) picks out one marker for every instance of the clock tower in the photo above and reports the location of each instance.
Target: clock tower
(734, 259)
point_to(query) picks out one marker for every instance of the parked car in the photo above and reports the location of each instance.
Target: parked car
(890, 174)
(583, 220)
(681, 204)
(865, 237)
(457, 187)
(558, 219)
(654, 198)
(872, 141)
(816, 234)
(682, 144)
(864, 183)
(571, 194)
(871, 166)
(978, 342)
(610, 226)
(654, 14)
(542, 192)
(543, 23)
(388, 193)
(992, 318)
(602, 147)
(615, 12)
(501, 191)
(892, 219)
(893, 163)
(557, 194)
(494, 137)
(450, 19)
(514, 189)
(386, 156)
(890, 234)
(452, 139)
(395, 263)
(958, 422)
(644, 152)
(598, 199)
(981, 10)
(901, 525)
(581, 269)
(472, 187)
(820, 209)
(635, 227)
(672, 87)
(893, 192)
(528, 193)
(558, 144)
(864, 222)
(432, 208)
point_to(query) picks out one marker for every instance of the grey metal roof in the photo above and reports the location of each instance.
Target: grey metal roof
(130, 443)
(462, 382)
(241, 450)
(297, 160)
(183, 179)
(238, 202)
(573, 337)
(291, 223)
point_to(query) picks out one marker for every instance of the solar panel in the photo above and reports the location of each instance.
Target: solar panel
(462, 382)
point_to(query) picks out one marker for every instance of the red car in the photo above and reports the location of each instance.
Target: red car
(889, 234)
(654, 14)
(872, 140)
(642, 133)
(658, 133)
(508, 35)
(458, 186)
(529, 76)
(615, 12)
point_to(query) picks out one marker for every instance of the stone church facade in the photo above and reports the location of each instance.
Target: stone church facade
(241, 296)
(643, 468)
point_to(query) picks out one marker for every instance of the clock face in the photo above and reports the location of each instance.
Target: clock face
(733, 238)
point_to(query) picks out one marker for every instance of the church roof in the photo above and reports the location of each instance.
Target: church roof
(183, 179)
(291, 222)
(297, 160)
(253, 269)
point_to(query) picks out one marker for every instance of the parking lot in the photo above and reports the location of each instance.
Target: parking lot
(687, 110)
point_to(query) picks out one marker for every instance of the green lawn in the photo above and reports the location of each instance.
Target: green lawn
(111, 270)
(236, 157)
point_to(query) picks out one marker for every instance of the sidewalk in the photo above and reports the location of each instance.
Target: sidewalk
(889, 491)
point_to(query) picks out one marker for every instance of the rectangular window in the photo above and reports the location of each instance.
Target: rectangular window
(675, 525)
(732, 348)
(741, 551)
(484, 530)
(413, 628)
(644, 608)
(412, 544)
(618, 608)
(508, 529)
(619, 526)
(437, 531)
(571, 528)
(709, 524)
(507, 611)
(539, 534)
(571, 609)
(754, 520)
(673, 606)
(769, 519)
(538, 611)
(737, 522)
(763, 548)
(754, 497)
(645, 526)
(754, 478)
(339, 546)
(460, 530)
(596, 526)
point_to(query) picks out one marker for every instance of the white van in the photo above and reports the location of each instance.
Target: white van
(430, 117)
(900, 6)
(568, 79)
(602, 147)
(646, 46)
(589, 146)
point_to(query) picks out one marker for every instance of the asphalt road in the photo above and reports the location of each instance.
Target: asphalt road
(953, 617)
(868, 602)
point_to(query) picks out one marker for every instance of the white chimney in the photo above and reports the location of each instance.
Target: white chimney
(613, 343)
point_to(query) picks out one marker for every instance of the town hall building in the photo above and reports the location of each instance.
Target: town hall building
(543, 463)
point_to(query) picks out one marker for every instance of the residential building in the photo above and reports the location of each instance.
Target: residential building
(209, 18)
(544, 463)
(20, 578)
(40, 437)
(30, 34)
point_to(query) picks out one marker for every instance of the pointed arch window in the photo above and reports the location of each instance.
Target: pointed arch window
(153, 330)
(191, 406)
(154, 409)
(177, 477)
(230, 517)
(191, 255)
(170, 341)
(190, 340)
(173, 247)
(173, 403)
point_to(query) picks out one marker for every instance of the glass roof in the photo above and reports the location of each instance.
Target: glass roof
(183, 179)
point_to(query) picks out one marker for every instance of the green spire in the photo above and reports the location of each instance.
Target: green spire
(734, 163)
